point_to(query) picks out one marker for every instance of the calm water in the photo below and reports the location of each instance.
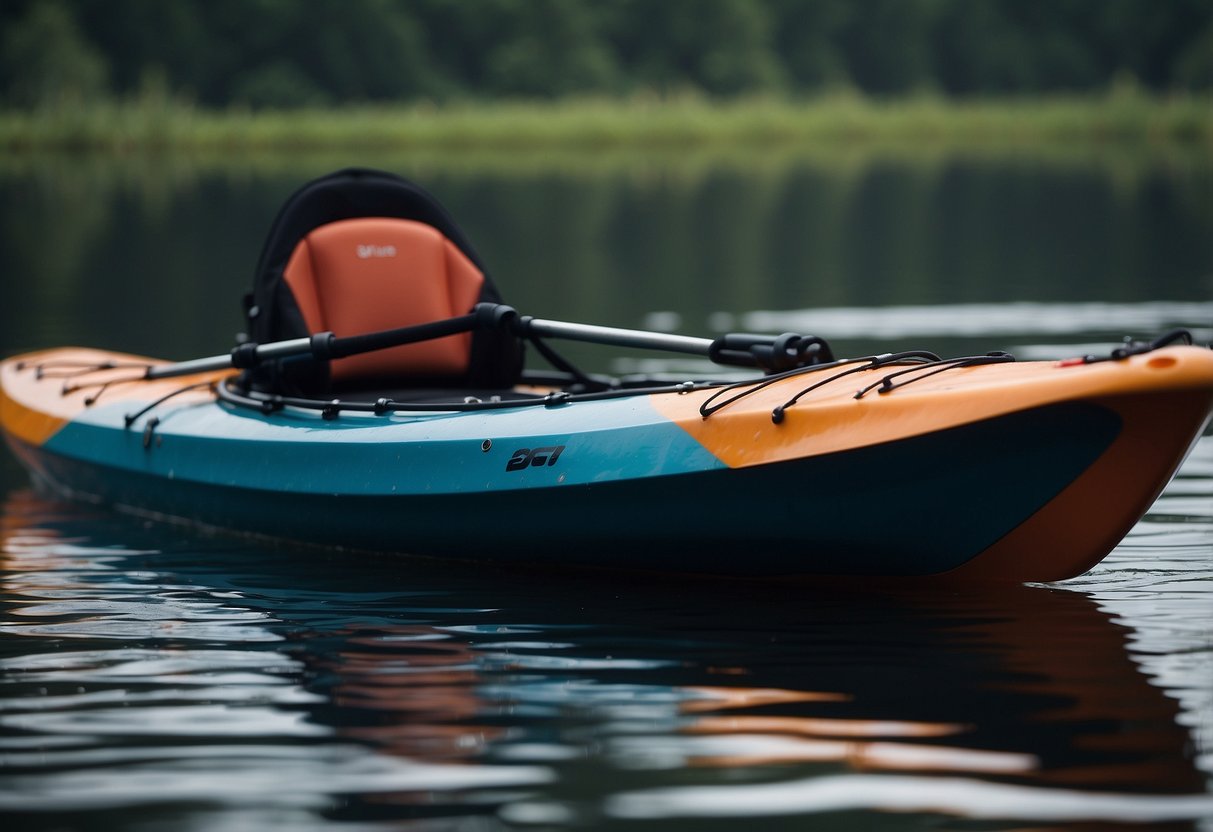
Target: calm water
(152, 678)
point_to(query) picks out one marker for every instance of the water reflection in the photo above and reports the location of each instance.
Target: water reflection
(151, 675)
(153, 256)
(127, 683)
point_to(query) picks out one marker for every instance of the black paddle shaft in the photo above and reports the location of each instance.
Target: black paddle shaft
(771, 352)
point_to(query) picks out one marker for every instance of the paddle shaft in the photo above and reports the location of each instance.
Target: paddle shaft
(264, 352)
(615, 336)
(325, 345)
(770, 352)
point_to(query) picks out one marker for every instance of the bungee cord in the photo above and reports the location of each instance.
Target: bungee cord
(237, 390)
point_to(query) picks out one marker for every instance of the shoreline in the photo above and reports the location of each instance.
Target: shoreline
(1123, 120)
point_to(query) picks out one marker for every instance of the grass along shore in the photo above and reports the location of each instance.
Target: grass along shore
(1128, 118)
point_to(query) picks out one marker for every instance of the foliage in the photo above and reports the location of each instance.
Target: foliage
(278, 53)
(47, 60)
(1124, 118)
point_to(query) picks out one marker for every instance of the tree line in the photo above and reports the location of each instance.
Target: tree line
(278, 53)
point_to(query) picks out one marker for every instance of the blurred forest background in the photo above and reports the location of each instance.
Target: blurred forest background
(612, 157)
(283, 54)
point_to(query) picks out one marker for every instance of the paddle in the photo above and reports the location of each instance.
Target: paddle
(325, 345)
(771, 352)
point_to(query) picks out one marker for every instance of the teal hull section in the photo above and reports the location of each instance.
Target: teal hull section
(605, 484)
(297, 452)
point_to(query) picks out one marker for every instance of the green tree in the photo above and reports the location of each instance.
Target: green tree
(723, 47)
(48, 62)
(1193, 65)
(887, 44)
(548, 48)
(141, 37)
(806, 40)
(288, 53)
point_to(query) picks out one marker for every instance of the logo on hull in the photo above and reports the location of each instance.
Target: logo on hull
(534, 458)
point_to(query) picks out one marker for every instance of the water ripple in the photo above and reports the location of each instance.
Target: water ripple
(264, 776)
(954, 796)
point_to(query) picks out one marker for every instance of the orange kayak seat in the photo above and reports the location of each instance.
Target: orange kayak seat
(360, 251)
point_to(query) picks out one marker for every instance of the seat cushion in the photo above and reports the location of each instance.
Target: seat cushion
(371, 273)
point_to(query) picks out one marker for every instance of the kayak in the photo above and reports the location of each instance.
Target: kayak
(1025, 471)
(410, 427)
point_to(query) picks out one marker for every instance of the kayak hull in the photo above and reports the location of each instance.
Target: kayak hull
(1020, 476)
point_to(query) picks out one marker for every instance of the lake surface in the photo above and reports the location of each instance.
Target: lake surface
(152, 678)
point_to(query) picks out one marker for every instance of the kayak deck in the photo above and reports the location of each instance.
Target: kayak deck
(1002, 471)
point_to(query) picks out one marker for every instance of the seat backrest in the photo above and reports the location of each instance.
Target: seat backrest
(361, 251)
(374, 273)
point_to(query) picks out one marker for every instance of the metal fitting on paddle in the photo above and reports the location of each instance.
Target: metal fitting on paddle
(244, 355)
(774, 353)
(322, 345)
(494, 315)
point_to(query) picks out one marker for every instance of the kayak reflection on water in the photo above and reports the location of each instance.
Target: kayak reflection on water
(146, 668)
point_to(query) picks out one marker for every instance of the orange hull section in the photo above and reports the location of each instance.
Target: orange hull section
(1164, 399)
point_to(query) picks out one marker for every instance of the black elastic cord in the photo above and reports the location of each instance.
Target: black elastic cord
(748, 387)
(1132, 348)
(559, 362)
(1138, 348)
(131, 418)
(75, 369)
(101, 386)
(227, 392)
(886, 384)
(91, 400)
(777, 415)
(1171, 337)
